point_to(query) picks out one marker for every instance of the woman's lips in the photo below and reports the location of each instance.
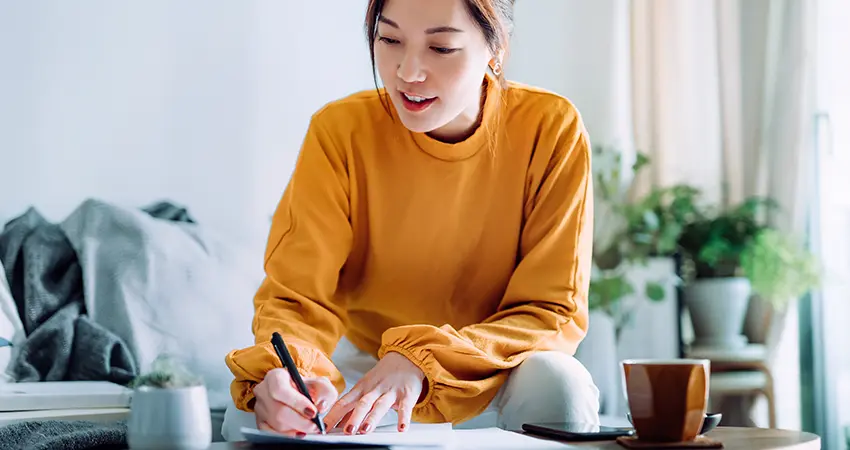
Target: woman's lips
(416, 106)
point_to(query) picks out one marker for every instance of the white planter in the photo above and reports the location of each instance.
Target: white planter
(173, 419)
(718, 307)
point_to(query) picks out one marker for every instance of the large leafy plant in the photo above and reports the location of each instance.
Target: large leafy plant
(631, 231)
(649, 226)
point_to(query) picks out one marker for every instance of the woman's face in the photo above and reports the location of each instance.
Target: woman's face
(432, 58)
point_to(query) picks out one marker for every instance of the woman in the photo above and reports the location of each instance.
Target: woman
(439, 230)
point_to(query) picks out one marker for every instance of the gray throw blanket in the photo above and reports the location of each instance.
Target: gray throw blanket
(46, 281)
(63, 435)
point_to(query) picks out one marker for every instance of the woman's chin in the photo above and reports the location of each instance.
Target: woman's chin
(418, 124)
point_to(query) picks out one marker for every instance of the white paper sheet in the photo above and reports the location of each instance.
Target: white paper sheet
(417, 436)
(498, 439)
(424, 436)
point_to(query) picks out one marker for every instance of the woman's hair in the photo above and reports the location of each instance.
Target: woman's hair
(495, 19)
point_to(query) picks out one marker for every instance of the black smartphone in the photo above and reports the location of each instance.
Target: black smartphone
(576, 431)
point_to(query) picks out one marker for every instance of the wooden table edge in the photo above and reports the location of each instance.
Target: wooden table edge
(770, 439)
(735, 437)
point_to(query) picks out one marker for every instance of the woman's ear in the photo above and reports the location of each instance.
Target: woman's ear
(497, 63)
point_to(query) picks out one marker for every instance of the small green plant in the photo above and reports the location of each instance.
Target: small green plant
(713, 243)
(167, 373)
(779, 268)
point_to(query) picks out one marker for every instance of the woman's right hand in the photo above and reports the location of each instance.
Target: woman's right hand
(280, 407)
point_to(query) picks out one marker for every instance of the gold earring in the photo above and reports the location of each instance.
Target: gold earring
(497, 68)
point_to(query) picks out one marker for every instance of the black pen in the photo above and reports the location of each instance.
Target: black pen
(289, 364)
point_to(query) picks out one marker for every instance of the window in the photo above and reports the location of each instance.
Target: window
(826, 370)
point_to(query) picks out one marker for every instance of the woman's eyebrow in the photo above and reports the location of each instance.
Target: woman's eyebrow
(443, 29)
(434, 30)
(387, 21)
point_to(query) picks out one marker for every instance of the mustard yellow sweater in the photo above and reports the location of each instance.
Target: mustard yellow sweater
(464, 257)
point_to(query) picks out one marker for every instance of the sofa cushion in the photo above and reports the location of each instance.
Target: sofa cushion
(167, 287)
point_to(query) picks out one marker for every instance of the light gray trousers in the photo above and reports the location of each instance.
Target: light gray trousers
(546, 387)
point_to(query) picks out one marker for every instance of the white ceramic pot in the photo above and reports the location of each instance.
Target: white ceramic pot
(173, 419)
(718, 307)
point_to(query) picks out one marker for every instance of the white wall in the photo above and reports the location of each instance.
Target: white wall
(200, 102)
(579, 49)
(205, 102)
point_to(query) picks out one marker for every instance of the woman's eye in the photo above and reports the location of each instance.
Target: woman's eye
(387, 40)
(444, 50)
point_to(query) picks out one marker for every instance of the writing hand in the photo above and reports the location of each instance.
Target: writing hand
(280, 407)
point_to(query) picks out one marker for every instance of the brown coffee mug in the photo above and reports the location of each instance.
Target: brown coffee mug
(667, 398)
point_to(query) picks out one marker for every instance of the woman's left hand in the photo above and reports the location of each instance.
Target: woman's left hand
(394, 382)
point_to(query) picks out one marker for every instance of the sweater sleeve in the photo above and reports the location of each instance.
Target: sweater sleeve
(545, 304)
(309, 242)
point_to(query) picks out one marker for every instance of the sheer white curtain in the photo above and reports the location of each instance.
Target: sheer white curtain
(675, 93)
(721, 97)
(721, 100)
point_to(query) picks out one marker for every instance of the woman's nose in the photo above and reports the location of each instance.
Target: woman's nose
(410, 69)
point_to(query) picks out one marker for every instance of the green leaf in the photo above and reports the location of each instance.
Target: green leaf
(668, 238)
(640, 162)
(642, 238)
(655, 291)
(608, 290)
(651, 220)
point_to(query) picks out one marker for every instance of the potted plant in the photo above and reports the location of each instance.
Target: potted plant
(169, 409)
(717, 291)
